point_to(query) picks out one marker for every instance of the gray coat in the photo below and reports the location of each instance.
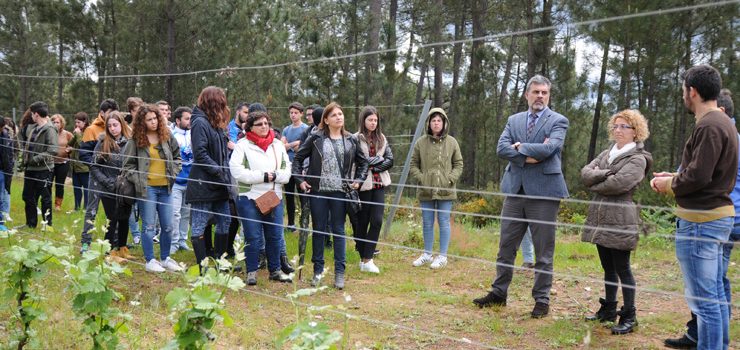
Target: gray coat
(544, 178)
(614, 184)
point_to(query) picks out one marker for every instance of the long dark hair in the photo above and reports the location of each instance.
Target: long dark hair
(327, 111)
(376, 135)
(82, 116)
(212, 101)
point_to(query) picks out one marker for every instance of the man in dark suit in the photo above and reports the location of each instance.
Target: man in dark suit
(532, 142)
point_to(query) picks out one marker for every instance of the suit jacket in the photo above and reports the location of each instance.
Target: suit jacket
(541, 179)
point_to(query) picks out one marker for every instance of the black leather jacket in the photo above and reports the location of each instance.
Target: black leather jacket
(313, 147)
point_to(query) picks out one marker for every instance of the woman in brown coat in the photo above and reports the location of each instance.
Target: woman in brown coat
(613, 218)
(61, 161)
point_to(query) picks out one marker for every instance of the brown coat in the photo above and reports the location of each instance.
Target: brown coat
(615, 226)
(64, 139)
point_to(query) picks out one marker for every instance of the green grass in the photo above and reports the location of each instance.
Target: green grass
(437, 302)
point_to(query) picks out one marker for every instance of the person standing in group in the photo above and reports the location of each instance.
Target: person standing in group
(436, 165)
(12, 143)
(38, 164)
(688, 340)
(260, 164)
(210, 185)
(86, 148)
(702, 187)
(7, 163)
(237, 124)
(613, 218)
(132, 104)
(376, 148)
(151, 163)
(61, 161)
(80, 170)
(180, 209)
(164, 110)
(333, 153)
(532, 142)
(292, 135)
(107, 164)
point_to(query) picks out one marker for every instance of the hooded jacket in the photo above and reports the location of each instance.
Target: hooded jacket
(436, 162)
(40, 154)
(210, 179)
(105, 170)
(612, 211)
(313, 148)
(90, 139)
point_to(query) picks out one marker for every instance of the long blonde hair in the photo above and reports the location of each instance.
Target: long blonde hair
(109, 142)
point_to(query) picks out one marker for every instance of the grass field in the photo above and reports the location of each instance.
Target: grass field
(403, 307)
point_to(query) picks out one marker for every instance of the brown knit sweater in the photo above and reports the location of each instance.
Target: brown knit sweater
(708, 166)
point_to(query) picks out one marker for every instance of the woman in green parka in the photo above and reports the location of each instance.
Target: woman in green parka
(436, 165)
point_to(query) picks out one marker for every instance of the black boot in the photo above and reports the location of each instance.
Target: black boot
(221, 241)
(208, 238)
(627, 321)
(285, 265)
(233, 229)
(199, 248)
(607, 312)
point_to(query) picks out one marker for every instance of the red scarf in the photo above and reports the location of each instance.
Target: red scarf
(262, 142)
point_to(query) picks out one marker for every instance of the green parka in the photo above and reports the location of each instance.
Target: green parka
(436, 162)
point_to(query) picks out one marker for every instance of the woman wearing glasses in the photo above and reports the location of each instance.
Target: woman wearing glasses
(613, 218)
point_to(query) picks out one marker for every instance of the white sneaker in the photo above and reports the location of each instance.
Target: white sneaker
(172, 265)
(369, 267)
(423, 259)
(439, 262)
(153, 266)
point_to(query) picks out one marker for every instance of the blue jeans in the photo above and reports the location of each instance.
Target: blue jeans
(259, 228)
(133, 221)
(321, 206)
(527, 247)
(202, 212)
(158, 203)
(4, 200)
(442, 210)
(699, 254)
(726, 252)
(80, 183)
(180, 216)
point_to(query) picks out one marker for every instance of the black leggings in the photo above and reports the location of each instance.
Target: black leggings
(616, 264)
(61, 171)
(117, 215)
(368, 221)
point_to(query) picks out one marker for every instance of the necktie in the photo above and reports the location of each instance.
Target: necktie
(531, 124)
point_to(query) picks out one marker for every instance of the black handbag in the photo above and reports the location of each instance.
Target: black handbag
(125, 190)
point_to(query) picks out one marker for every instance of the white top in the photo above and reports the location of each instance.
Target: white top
(249, 163)
(616, 152)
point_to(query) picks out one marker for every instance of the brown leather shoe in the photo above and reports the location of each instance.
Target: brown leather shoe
(540, 310)
(124, 253)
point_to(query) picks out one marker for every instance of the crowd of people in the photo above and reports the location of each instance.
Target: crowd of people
(185, 172)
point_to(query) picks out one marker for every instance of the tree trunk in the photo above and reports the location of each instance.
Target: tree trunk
(599, 104)
(420, 84)
(471, 124)
(170, 67)
(438, 66)
(543, 48)
(373, 43)
(530, 39)
(390, 58)
(624, 100)
(456, 58)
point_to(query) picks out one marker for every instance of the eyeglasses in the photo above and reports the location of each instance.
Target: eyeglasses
(621, 126)
(260, 124)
